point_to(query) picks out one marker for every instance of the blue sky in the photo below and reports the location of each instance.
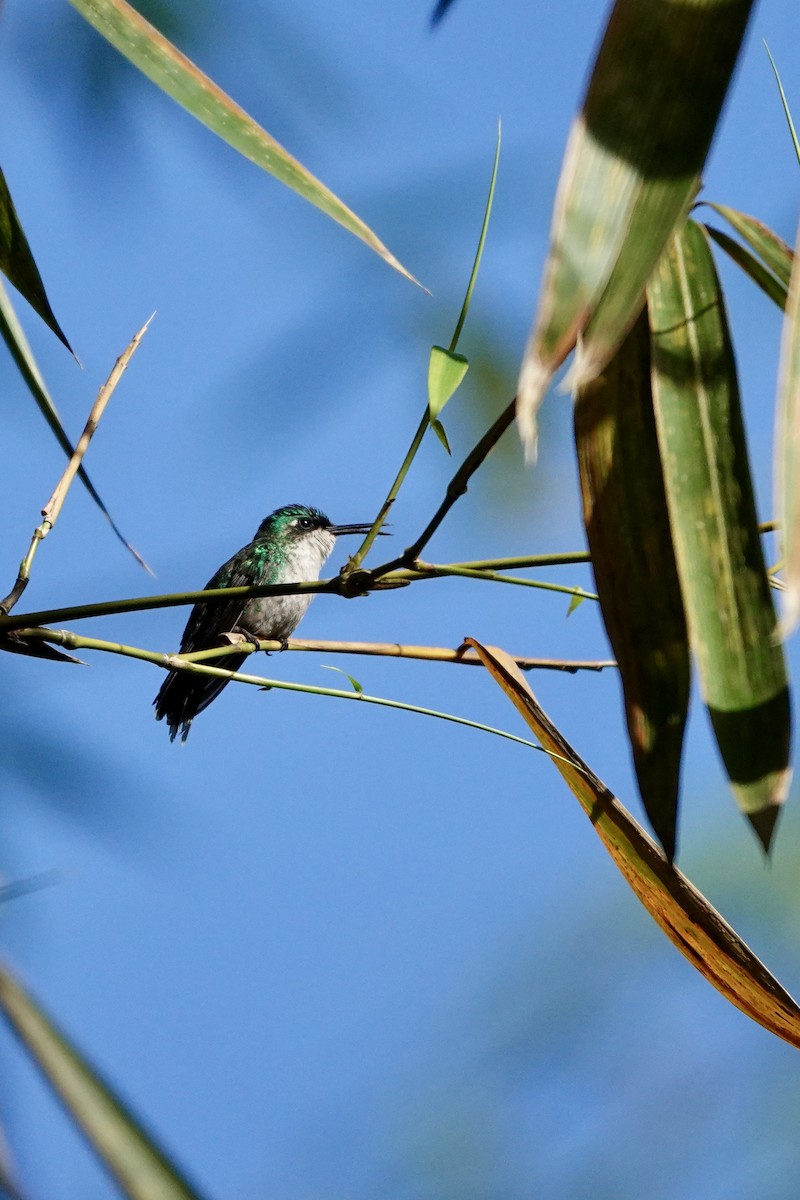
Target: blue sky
(326, 950)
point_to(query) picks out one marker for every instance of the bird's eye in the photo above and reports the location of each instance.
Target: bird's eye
(304, 523)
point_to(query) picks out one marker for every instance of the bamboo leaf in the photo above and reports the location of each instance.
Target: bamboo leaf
(476, 262)
(787, 452)
(701, 934)
(13, 335)
(631, 168)
(13, 643)
(752, 266)
(18, 265)
(763, 241)
(356, 686)
(576, 601)
(627, 526)
(446, 372)
(785, 103)
(714, 527)
(163, 63)
(140, 1167)
(439, 430)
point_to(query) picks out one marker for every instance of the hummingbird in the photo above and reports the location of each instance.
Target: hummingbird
(290, 546)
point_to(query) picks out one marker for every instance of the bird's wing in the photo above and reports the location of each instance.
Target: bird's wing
(208, 622)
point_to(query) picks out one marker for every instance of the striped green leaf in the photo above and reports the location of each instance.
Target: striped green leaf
(787, 451)
(763, 241)
(178, 76)
(715, 531)
(770, 285)
(631, 168)
(627, 526)
(140, 1167)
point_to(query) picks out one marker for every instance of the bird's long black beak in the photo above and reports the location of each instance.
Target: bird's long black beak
(338, 530)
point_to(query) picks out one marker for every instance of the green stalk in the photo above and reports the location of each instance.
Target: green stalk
(431, 571)
(174, 662)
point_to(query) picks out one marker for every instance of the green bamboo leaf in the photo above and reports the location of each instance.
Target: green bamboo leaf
(627, 527)
(787, 452)
(439, 430)
(752, 266)
(631, 168)
(356, 686)
(715, 531)
(765, 244)
(178, 76)
(701, 934)
(785, 103)
(446, 372)
(13, 643)
(140, 1167)
(14, 337)
(487, 215)
(18, 265)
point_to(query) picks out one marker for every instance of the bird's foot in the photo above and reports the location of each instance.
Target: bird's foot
(239, 637)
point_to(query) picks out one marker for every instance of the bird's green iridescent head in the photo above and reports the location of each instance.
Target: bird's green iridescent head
(296, 521)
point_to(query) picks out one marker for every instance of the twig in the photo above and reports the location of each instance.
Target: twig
(460, 655)
(54, 505)
(422, 570)
(176, 662)
(106, 608)
(455, 489)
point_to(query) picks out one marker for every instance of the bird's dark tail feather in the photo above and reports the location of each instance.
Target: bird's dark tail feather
(184, 694)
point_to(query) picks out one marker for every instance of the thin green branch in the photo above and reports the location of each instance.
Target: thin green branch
(175, 662)
(461, 655)
(335, 586)
(455, 489)
(360, 554)
(423, 570)
(567, 559)
(108, 608)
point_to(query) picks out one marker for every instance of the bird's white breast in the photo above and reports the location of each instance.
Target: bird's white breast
(276, 617)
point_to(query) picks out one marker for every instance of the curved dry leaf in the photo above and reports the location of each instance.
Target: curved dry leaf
(701, 934)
